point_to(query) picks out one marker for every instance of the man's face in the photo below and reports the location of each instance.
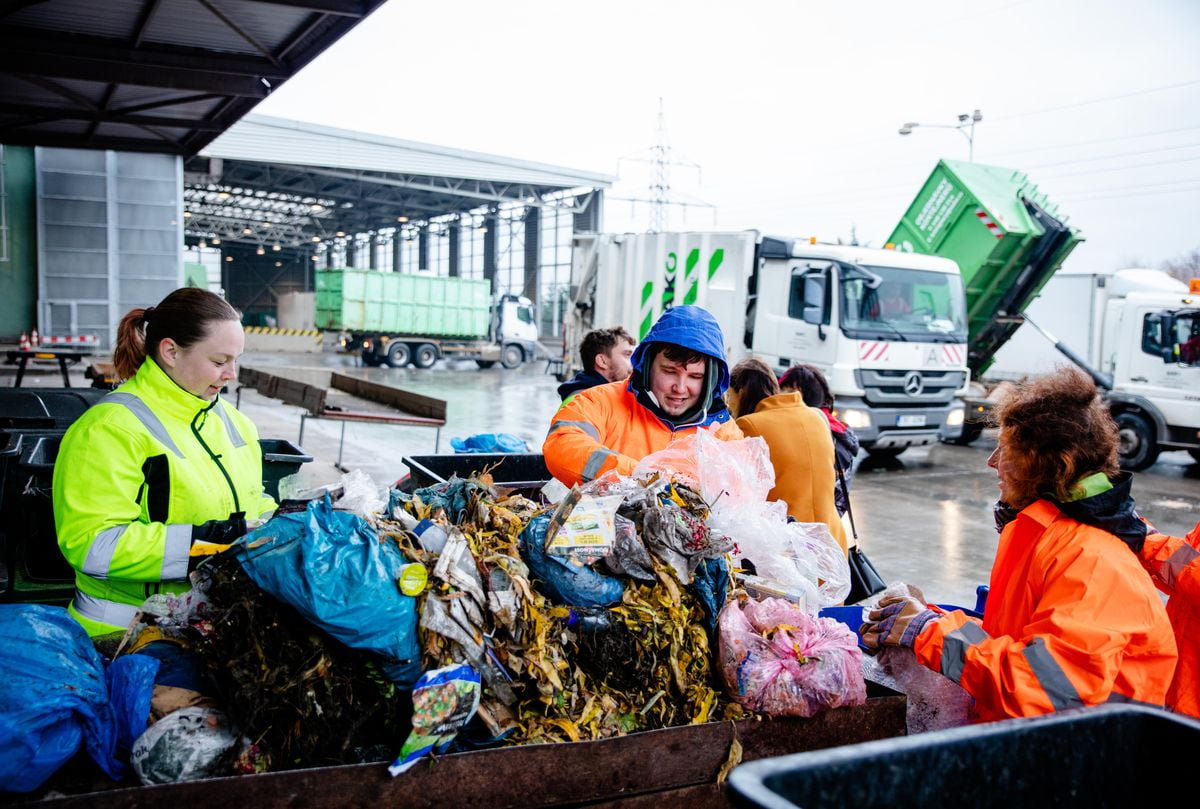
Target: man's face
(676, 387)
(616, 363)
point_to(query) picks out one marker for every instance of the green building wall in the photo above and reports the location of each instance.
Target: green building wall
(18, 274)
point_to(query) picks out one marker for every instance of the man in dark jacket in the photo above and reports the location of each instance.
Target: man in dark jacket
(606, 356)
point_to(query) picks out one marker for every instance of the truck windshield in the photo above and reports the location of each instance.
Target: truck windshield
(888, 303)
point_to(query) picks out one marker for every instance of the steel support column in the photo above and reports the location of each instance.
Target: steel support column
(397, 251)
(533, 253)
(423, 248)
(455, 238)
(491, 224)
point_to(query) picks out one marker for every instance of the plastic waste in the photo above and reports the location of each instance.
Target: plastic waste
(589, 531)
(585, 620)
(565, 580)
(444, 700)
(187, 745)
(130, 681)
(728, 474)
(489, 442)
(360, 495)
(779, 660)
(629, 556)
(53, 697)
(331, 566)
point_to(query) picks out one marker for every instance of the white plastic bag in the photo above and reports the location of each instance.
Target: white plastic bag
(360, 495)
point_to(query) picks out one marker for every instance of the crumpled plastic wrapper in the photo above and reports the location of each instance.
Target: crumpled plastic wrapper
(187, 745)
(360, 495)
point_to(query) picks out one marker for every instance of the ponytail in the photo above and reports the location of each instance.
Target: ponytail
(130, 350)
(183, 316)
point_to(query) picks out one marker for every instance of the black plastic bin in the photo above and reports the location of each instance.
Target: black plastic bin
(1120, 755)
(45, 408)
(525, 471)
(37, 569)
(280, 459)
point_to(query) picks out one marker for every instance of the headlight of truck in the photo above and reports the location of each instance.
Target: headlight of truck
(366, 344)
(955, 417)
(855, 419)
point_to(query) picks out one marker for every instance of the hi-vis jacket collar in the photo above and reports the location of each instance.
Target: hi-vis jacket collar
(170, 400)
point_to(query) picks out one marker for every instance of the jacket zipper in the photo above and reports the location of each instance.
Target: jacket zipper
(237, 506)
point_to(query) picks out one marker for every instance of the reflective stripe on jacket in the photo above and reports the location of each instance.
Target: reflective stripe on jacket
(605, 428)
(1174, 564)
(133, 475)
(1071, 620)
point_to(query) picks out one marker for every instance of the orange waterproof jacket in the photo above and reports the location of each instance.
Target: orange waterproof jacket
(1071, 620)
(801, 449)
(605, 428)
(1174, 564)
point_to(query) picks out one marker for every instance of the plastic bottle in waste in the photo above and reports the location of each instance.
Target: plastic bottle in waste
(431, 536)
(589, 620)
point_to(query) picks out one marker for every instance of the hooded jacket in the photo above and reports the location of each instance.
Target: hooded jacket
(134, 474)
(615, 425)
(1071, 619)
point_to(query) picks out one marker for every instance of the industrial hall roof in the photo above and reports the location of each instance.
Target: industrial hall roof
(152, 75)
(281, 181)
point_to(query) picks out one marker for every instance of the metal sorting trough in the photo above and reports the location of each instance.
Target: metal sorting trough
(668, 767)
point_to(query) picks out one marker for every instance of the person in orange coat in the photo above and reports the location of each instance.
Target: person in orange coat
(677, 386)
(1071, 619)
(798, 439)
(1174, 565)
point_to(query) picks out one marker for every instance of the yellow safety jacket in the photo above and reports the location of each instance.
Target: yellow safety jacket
(133, 475)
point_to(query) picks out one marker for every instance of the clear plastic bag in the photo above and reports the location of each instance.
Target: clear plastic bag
(728, 474)
(779, 660)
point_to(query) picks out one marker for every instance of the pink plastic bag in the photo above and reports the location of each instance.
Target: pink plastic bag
(778, 660)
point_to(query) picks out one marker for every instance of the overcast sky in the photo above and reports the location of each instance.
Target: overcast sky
(791, 109)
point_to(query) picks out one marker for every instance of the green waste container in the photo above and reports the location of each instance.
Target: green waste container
(280, 459)
(1005, 236)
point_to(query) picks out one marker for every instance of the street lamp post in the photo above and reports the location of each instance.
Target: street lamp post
(966, 125)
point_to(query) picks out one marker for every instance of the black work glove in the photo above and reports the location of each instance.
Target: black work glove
(221, 532)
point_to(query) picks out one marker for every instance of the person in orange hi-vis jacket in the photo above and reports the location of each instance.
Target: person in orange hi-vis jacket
(1072, 619)
(1174, 565)
(678, 384)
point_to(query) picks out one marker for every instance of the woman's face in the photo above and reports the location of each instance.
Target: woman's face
(1003, 469)
(207, 365)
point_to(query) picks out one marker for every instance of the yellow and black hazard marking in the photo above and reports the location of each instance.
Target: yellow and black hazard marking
(314, 333)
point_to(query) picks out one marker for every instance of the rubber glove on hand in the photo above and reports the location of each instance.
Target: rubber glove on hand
(220, 532)
(897, 621)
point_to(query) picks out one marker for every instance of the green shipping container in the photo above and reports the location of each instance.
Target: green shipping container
(398, 303)
(1004, 235)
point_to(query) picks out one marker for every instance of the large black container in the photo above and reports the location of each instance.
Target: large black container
(518, 470)
(1120, 755)
(44, 408)
(280, 459)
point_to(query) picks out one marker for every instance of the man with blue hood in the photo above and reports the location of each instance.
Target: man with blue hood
(678, 385)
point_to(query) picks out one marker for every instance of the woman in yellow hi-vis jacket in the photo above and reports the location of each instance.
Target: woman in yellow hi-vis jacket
(160, 464)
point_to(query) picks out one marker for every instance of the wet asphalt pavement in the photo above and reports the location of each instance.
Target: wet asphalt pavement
(924, 518)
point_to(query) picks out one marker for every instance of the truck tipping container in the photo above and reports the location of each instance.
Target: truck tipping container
(1005, 236)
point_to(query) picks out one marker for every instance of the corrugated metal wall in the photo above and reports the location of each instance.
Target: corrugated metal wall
(110, 237)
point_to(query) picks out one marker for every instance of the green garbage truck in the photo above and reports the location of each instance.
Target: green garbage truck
(1129, 330)
(399, 318)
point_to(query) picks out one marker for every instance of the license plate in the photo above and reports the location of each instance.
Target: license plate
(911, 420)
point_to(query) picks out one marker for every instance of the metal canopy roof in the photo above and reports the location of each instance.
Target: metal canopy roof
(152, 75)
(273, 181)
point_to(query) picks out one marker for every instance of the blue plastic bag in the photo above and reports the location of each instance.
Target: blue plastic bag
(332, 568)
(131, 681)
(562, 580)
(489, 442)
(53, 697)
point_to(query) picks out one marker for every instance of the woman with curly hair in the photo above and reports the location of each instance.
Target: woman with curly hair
(1072, 619)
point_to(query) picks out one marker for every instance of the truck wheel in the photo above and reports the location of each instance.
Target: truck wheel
(512, 356)
(1195, 453)
(970, 432)
(397, 355)
(425, 355)
(485, 363)
(885, 453)
(371, 359)
(1136, 446)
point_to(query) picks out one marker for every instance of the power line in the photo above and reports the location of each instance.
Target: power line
(1099, 100)
(1098, 140)
(1111, 156)
(1122, 168)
